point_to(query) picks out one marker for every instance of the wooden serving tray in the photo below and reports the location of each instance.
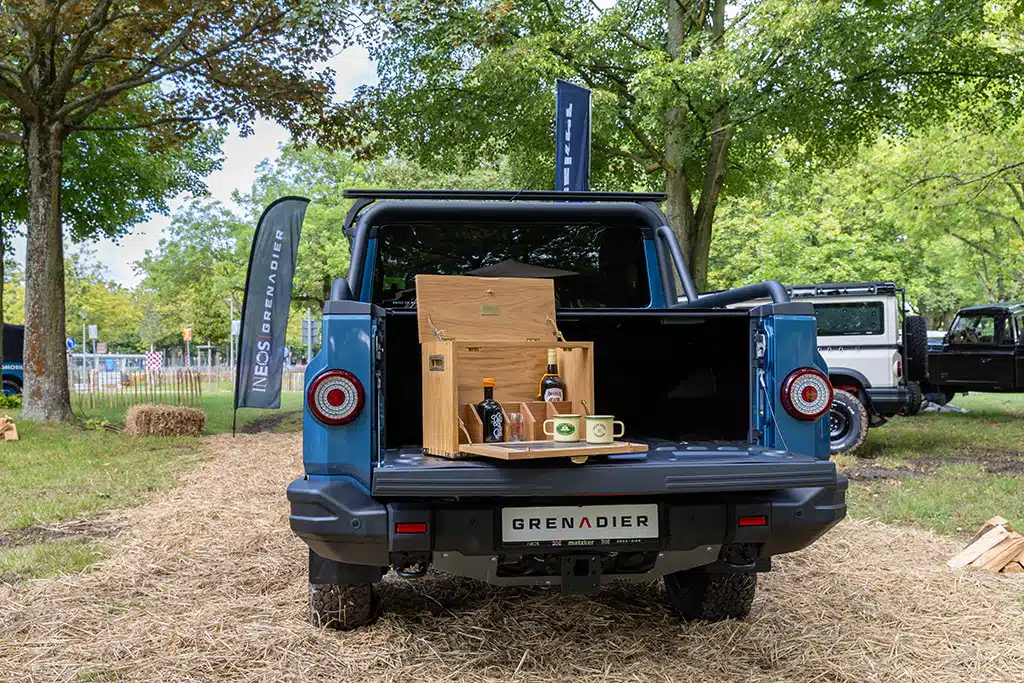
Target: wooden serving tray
(531, 450)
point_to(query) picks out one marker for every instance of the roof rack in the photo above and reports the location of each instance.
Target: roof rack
(365, 197)
(506, 195)
(1002, 306)
(842, 289)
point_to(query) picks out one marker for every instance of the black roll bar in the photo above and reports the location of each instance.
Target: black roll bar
(769, 288)
(668, 238)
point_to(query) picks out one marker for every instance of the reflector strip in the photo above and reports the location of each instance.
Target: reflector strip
(411, 528)
(754, 520)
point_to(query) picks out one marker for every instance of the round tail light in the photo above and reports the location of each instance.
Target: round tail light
(806, 394)
(336, 397)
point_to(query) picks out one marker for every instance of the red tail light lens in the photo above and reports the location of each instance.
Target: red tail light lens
(753, 520)
(336, 397)
(806, 394)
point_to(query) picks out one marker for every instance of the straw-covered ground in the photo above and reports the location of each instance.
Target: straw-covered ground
(209, 584)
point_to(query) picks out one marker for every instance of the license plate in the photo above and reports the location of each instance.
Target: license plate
(582, 524)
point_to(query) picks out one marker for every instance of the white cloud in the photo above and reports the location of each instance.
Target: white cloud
(352, 68)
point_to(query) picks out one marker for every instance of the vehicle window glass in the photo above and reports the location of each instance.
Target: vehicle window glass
(853, 318)
(1019, 318)
(973, 329)
(593, 266)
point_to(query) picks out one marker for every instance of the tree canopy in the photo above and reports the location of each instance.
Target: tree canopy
(688, 95)
(113, 180)
(939, 213)
(163, 68)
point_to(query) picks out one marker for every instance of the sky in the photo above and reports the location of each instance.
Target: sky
(352, 68)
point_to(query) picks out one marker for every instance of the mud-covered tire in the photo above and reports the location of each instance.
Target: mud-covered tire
(848, 423)
(915, 347)
(699, 595)
(342, 607)
(915, 397)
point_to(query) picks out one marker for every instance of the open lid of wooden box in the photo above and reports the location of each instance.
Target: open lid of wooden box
(482, 309)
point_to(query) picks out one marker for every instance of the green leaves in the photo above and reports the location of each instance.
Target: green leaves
(199, 263)
(938, 213)
(776, 83)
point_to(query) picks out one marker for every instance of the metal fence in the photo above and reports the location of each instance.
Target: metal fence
(91, 387)
(103, 389)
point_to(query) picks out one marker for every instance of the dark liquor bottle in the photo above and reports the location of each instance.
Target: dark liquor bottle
(552, 388)
(490, 414)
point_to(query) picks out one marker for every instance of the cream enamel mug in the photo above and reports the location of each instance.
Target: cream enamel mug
(601, 428)
(565, 428)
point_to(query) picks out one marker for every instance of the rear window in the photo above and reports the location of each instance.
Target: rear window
(844, 319)
(592, 266)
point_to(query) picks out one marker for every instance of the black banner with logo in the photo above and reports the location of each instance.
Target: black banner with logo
(268, 298)
(572, 137)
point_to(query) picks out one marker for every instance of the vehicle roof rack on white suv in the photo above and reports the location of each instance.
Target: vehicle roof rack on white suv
(842, 289)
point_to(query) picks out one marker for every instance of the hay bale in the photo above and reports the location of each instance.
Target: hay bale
(155, 420)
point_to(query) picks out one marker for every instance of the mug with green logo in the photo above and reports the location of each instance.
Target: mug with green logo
(565, 428)
(601, 428)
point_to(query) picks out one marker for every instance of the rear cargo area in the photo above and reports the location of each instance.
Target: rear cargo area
(669, 375)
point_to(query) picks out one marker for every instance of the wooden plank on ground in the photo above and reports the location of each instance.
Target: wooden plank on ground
(1014, 567)
(975, 550)
(1000, 555)
(988, 526)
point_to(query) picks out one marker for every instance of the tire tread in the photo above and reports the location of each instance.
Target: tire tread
(698, 595)
(342, 607)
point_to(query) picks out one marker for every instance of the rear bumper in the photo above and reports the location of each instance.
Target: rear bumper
(889, 401)
(343, 522)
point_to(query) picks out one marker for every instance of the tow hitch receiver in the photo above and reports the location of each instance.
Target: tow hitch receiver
(581, 574)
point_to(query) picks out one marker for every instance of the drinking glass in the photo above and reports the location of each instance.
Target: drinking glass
(515, 426)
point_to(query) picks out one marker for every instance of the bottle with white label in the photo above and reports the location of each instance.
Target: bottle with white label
(490, 414)
(552, 388)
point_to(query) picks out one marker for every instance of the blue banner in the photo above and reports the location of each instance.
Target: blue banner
(572, 137)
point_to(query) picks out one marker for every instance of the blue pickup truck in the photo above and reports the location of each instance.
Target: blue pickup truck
(729, 402)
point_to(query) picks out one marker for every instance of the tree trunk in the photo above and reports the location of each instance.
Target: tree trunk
(679, 204)
(46, 395)
(714, 178)
(693, 227)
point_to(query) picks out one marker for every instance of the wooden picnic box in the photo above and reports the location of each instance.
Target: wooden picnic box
(476, 327)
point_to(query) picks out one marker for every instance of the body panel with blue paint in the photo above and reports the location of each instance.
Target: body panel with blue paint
(791, 343)
(653, 278)
(366, 288)
(348, 342)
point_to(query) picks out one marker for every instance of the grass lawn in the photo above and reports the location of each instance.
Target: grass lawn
(58, 473)
(948, 472)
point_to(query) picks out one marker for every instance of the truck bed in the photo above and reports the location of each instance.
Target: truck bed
(670, 374)
(667, 468)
